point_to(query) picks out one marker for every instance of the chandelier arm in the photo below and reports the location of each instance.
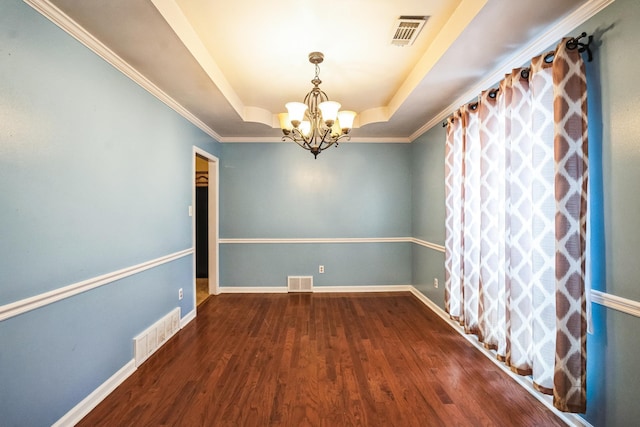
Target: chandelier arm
(342, 136)
(284, 138)
(298, 137)
(330, 141)
(338, 138)
(301, 136)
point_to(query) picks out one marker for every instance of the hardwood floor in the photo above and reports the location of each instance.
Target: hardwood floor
(318, 360)
(202, 290)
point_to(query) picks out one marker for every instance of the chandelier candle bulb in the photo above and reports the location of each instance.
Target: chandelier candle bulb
(296, 112)
(329, 111)
(336, 129)
(346, 119)
(285, 123)
(305, 127)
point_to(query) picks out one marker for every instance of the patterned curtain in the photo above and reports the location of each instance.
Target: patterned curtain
(516, 223)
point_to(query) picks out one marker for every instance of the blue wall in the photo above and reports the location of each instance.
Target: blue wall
(428, 212)
(280, 191)
(614, 94)
(95, 176)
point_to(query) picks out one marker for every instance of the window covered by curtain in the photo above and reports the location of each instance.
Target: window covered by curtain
(516, 223)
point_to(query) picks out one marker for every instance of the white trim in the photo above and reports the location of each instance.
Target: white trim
(214, 243)
(420, 242)
(55, 15)
(24, 305)
(188, 318)
(214, 237)
(316, 289)
(374, 288)
(278, 140)
(319, 240)
(58, 17)
(553, 35)
(429, 245)
(253, 290)
(617, 303)
(85, 406)
(525, 382)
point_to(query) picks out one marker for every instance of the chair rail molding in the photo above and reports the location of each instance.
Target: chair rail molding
(624, 305)
(27, 304)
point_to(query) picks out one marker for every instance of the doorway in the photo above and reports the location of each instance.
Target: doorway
(205, 225)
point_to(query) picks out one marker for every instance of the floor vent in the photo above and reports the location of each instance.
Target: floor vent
(407, 29)
(145, 344)
(300, 283)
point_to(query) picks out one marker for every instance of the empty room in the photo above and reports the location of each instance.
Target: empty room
(338, 213)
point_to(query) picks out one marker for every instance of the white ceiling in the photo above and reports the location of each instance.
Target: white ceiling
(230, 66)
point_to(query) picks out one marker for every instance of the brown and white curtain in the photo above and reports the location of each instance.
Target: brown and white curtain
(516, 223)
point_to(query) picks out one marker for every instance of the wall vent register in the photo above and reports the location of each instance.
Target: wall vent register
(145, 344)
(300, 283)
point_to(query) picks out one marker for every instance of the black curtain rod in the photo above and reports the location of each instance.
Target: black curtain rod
(575, 43)
(572, 44)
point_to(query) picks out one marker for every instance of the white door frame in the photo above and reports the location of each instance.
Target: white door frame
(212, 222)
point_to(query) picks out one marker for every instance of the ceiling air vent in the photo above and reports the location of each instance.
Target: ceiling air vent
(407, 29)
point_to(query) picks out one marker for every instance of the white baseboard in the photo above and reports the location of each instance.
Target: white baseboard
(316, 289)
(253, 289)
(79, 411)
(526, 383)
(187, 318)
(379, 288)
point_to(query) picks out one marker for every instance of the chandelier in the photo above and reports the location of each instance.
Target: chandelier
(316, 124)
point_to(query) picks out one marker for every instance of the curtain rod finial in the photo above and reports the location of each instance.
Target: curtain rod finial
(575, 43)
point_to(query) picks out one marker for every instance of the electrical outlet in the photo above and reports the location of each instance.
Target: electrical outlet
(180, 294)
(321, 269)
(435, 282)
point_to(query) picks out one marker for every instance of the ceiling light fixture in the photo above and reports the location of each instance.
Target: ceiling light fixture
(316, 124)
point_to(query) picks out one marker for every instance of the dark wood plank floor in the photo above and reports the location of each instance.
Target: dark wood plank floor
(318, 360)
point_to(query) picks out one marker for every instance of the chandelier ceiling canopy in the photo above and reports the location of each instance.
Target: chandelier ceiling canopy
(316, 123)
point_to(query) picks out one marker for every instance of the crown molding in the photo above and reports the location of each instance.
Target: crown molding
(553, 35)
(58, 17)
(570, 22)
(275, 139)
(317, 240)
